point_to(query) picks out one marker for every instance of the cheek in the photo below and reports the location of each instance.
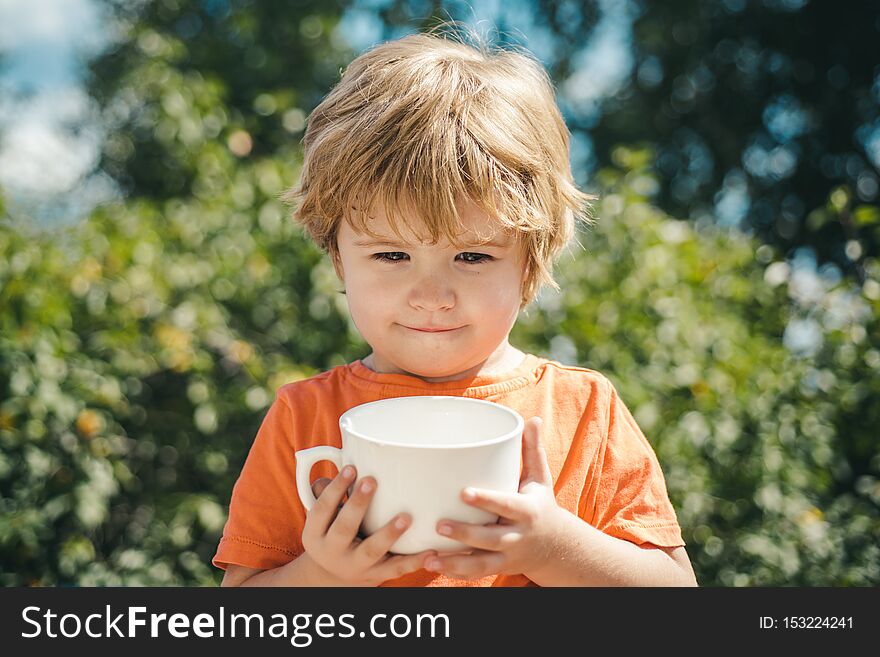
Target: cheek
(368, 299)
(501, 291)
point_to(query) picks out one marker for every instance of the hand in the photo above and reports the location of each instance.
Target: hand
(528, 525)
(331, 539)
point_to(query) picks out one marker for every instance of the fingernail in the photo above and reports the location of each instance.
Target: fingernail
(468, 493)
(348, 472)
(444, 529)
(433, 564)
(367, 486)
(400, 523)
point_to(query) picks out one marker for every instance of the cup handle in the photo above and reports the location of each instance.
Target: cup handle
(305, 459)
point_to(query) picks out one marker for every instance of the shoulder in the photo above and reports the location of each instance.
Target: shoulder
(313, 389)
(573, 378)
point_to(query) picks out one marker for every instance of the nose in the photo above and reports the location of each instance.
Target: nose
(430, 292)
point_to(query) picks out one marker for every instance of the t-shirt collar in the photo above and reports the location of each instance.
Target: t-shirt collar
(523, 374)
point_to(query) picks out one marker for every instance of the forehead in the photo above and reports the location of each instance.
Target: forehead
(474, 226)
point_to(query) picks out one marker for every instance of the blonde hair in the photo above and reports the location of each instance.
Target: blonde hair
(424, 122)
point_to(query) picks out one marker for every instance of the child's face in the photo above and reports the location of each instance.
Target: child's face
(416, 286)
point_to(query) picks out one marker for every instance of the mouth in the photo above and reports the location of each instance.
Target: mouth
(434, 330)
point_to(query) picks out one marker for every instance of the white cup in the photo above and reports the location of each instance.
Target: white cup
(422, 452)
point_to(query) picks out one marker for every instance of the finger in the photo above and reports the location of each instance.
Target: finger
(535, 465)
(326, 506)
(319, 486)
(483, 537)
(472, 566)
(375, 547)
(345, 527)
(401, 564)
(506, 505)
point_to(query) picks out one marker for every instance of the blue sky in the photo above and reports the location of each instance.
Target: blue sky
(43, 41)
(49, 141)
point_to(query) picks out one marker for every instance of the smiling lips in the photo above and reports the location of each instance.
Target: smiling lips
(434, 330)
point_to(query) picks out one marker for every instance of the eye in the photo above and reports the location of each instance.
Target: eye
(479, 258)
(398, 256)
(389, 257)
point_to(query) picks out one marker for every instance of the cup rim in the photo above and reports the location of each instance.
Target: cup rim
(517, 430)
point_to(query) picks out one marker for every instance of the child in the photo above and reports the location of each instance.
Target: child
(436, 176)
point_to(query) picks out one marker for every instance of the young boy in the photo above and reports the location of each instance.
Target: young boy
(436, 175)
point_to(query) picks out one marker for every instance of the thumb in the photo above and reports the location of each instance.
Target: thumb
(535, 466)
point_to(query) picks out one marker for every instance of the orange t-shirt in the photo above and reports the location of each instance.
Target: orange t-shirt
(604, 470)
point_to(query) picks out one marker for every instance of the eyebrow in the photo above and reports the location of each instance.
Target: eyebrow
(401, 244)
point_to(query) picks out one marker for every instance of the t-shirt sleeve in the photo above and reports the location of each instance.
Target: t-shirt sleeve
(632, 502)
(264, 527)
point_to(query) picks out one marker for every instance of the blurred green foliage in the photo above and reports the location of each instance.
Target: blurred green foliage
(186, 75)
(140, 348)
